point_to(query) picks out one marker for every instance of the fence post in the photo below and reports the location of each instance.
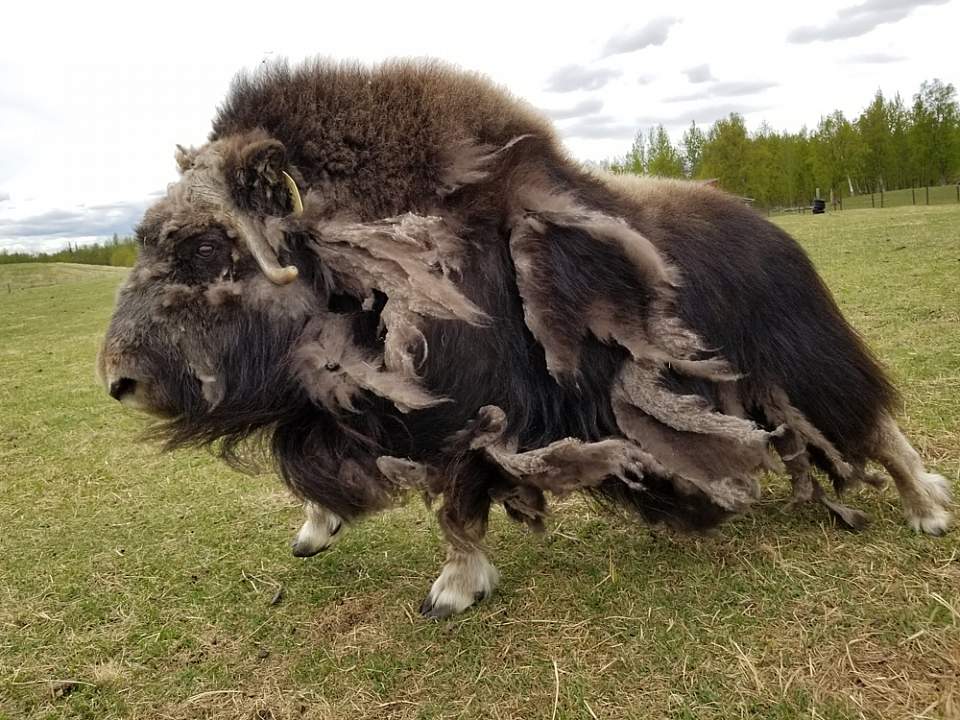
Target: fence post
(873, 203)
(928, 194)
(881, 198)
(913, 194)
(958, 192)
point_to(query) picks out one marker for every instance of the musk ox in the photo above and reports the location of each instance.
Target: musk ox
(394, 279)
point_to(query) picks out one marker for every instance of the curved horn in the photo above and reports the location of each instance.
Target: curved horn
(294, 193)
(266, 257)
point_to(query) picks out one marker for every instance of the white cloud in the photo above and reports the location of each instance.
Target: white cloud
(653, 33)
(702, 115)
(96, 220)
(872, 58)
(599, 127)
(580, 77)
(51, 244)
(585, 107)
(731, 88)
(858, 20)
(699, 74)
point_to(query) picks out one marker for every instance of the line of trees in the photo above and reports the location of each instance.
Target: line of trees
(888, 146)
(119, 252)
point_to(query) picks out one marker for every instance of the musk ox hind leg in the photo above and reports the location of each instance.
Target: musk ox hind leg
(806, 487)
(925, 496)
(320, 530)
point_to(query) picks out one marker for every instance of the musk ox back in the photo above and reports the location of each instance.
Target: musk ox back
(396, 280)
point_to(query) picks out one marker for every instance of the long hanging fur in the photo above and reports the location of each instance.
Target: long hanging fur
(452, 270)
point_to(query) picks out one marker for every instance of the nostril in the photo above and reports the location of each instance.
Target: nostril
(122, 386)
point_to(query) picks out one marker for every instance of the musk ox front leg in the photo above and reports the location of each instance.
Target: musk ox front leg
(925, 496)
(467, 575)
(320, 530)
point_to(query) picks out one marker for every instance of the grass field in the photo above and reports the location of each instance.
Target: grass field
(134, 584)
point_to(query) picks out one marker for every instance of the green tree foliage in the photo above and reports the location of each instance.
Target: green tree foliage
(900, 172)
(635, 161)
(838, 154)
(119, 252)
(663, 159)
(692, 142)
(888, 146)
(876, 134)
(726, 154)
(936, 119)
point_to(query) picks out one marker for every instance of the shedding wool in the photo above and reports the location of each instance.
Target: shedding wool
(571, 465)
(334, 370)
(394, 279)
(413, 260)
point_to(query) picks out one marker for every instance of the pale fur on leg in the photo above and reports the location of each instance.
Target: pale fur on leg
(925, 495)
(930, 515)
(320, 530)
(467, 577)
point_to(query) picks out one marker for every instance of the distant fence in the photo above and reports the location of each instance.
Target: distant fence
(926, 195)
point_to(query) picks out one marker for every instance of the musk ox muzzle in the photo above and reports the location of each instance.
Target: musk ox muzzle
(124, 379)
(394, 279)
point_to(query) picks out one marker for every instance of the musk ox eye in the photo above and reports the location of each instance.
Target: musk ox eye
(201, 258)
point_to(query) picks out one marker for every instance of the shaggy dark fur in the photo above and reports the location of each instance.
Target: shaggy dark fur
(441, 214)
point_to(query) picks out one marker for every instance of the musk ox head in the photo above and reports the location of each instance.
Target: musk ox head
(204, 326)
(248, 301)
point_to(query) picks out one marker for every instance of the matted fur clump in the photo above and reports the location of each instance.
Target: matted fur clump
(397, 279)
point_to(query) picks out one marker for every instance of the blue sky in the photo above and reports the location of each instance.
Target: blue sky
(94, 96)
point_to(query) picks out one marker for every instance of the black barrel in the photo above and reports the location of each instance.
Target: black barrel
(819, 207)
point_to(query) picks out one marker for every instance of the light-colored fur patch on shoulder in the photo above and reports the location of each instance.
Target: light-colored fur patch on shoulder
(334, 370)
(410, 257)
(414, 260)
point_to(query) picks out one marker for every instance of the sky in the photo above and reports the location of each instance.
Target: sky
(94, 96)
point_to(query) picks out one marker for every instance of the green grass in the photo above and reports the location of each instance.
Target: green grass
(146, 580)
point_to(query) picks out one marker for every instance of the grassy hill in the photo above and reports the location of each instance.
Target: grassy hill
(134, 584)
(31, 275)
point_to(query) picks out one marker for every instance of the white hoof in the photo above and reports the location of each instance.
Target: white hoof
(464, 580)
(931, 516)
(321, 530)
